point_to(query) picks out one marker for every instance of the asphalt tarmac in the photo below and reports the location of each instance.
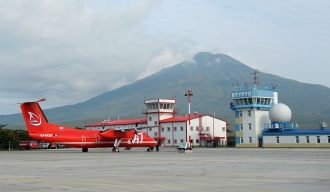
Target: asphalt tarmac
(213, 169)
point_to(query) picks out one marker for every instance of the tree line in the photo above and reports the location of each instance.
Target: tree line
(10, 138)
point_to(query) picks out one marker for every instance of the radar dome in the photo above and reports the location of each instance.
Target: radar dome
(279, 113)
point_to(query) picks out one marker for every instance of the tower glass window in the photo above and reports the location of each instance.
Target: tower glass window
(241, 127)
(241, 139)
(277, 139)
(297, 139)
(250, 139)
(191, 128)
(318, 139)
(181, 128)
(249, 112)
(240, 114)
(307, 139)
(249, 126)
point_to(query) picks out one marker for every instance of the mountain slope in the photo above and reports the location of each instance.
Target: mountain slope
(210, 77)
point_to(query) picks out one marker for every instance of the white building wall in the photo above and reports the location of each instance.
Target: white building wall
(275, 95)
(152, 119)
(194, 134)
(257, 119)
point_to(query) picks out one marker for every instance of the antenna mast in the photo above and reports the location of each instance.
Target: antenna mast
(255, 82)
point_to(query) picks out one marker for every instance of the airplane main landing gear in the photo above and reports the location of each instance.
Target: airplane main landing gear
(150, 149)
(84, 149)
(115, 149)
(116, 145)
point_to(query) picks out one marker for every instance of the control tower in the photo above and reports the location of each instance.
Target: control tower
(251, 106)
(157, 110)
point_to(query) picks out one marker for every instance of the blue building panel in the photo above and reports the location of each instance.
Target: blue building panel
(263, 93)
(237, 127)
(238, 139)
(236, 114)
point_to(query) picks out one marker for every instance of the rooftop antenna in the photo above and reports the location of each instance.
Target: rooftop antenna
(255, 82)
(274, 86)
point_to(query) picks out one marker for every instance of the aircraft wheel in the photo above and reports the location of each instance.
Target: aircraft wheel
(84, 149)
(148, 149)
(117, 149)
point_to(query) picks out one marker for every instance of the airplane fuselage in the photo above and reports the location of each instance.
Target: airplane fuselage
(92, 139)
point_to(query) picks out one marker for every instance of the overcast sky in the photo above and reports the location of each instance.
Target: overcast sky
(71, 51)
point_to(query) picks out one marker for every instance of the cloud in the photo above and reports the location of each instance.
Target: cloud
(69, 51)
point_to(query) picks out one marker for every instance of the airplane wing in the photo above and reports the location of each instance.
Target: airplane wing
(134, 128)
(122, 133)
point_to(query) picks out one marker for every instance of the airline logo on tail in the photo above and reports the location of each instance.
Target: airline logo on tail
(34, 119)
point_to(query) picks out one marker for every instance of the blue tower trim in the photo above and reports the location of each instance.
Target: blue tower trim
(280, 127)
(252, 99)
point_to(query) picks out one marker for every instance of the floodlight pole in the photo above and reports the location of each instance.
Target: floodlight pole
(189, 93)
(9, 145)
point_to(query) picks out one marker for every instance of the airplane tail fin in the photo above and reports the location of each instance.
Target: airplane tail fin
(35, 119)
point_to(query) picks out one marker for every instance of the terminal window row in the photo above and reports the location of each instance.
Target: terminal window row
(169, 129)
(191, 129)
(175, 141)
(318, 139)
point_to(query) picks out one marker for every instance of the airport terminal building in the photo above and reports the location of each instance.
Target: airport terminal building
(169, 129)
(260, 121)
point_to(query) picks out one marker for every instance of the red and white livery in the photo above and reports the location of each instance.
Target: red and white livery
(40, 129)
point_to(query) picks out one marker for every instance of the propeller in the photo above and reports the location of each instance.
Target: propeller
(137, 123)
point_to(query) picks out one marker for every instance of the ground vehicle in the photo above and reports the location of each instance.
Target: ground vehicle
(52, 146)
(43, 145)
(184, 147)
(30, 144)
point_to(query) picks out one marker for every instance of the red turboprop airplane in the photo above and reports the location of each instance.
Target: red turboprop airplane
(39, 129)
